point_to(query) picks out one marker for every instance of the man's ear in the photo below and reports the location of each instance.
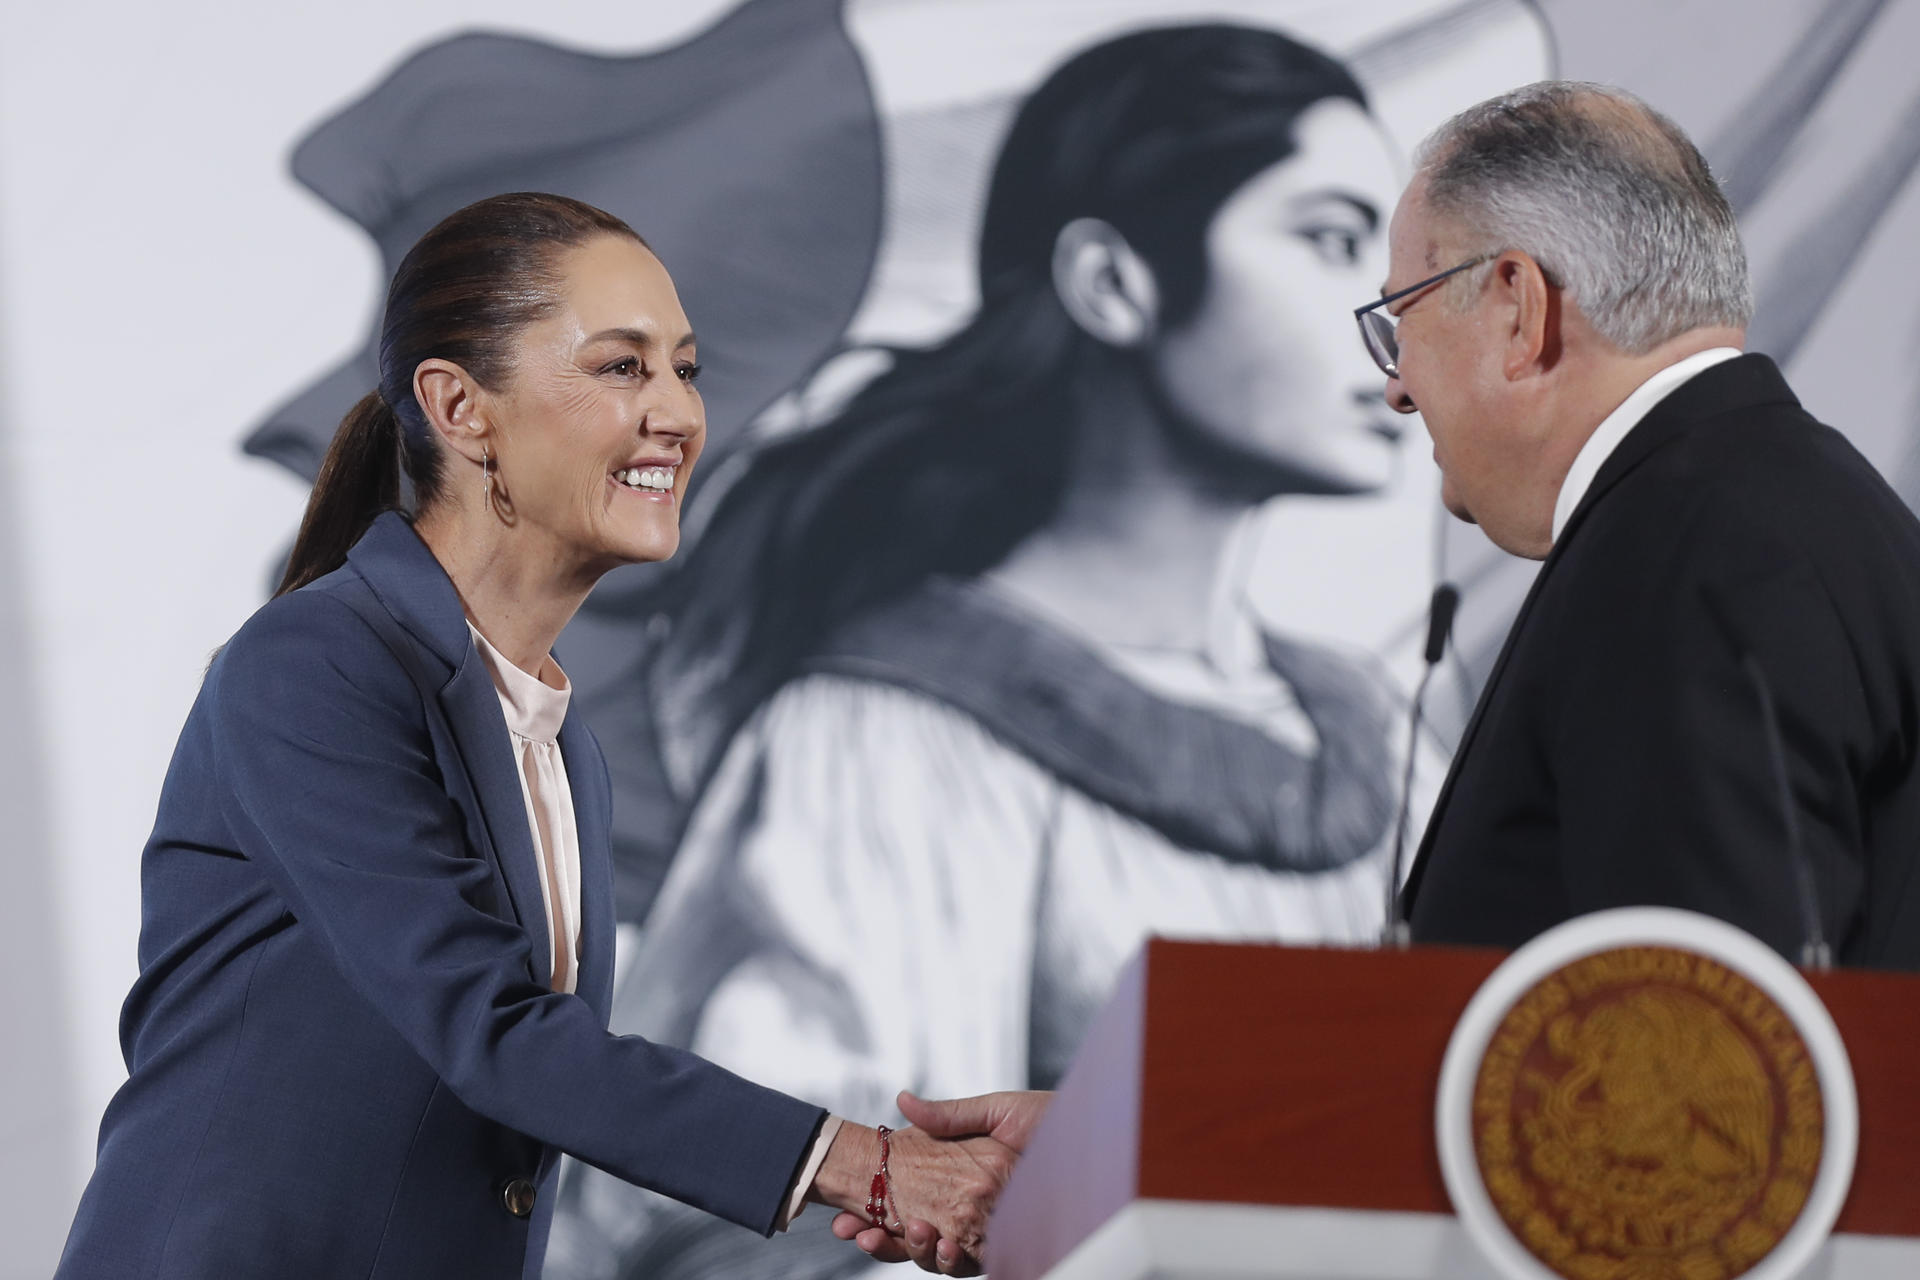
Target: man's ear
(1532, 306)
(451, 401)
(1106, 287)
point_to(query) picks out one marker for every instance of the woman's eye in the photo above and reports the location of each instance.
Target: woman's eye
(688, 372)
(626, 368)
(1336, 245)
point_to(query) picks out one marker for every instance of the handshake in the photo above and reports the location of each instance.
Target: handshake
(943, 1176)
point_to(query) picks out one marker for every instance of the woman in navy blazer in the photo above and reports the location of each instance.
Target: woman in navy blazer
(346, 1053)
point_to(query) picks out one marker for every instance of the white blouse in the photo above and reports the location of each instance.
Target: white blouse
(534, 707)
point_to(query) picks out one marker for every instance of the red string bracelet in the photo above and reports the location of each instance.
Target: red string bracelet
(881, 1189)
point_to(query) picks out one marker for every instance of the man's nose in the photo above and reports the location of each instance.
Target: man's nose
(1397, 398)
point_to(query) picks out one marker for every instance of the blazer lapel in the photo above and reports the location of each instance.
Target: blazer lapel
(417, 594)
(472, 708)
(1420, 857)
(593, 821)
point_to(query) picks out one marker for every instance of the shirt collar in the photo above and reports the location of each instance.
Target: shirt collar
(534, 709)
(1614, 428)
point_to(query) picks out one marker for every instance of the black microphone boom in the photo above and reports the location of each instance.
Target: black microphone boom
(1446, 599)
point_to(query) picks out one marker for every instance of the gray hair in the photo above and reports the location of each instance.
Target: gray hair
(1610, 198)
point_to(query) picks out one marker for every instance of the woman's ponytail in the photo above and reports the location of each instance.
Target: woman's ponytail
(359, 479)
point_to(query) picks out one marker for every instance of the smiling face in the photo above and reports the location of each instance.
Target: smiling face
(597, 432)
(1268, 369)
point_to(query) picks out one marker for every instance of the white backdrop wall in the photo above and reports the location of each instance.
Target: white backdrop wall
(164, 282)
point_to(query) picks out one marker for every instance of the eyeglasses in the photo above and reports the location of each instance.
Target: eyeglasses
(1377, 326)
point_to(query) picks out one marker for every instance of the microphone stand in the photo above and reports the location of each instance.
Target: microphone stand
(1398, 931)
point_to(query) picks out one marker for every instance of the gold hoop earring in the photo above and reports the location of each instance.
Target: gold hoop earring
(486, 477)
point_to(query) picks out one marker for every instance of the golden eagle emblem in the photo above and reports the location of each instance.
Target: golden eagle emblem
(1647, 1113)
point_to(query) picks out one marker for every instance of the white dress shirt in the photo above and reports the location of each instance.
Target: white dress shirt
(1614, 428)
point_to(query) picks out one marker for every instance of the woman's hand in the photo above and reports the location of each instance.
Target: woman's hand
(943, 1191)
(1006, 1119)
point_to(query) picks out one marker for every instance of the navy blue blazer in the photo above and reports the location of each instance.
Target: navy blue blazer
(344, 1056)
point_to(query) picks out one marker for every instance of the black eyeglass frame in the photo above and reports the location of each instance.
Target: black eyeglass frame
(1377, 331)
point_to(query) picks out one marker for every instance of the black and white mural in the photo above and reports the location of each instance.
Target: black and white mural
(1020, 321)
(1056, 574)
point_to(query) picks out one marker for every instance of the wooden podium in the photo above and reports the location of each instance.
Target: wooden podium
(1240, 1111)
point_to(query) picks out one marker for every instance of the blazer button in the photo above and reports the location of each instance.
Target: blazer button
(517, 1196)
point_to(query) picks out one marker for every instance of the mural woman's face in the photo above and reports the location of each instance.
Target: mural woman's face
(600, 427)
(1269, 368)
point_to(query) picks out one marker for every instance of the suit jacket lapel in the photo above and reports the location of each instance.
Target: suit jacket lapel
(472, 708)
(592, 819)
(1737, 384)
(1419, 867)
(410, 584)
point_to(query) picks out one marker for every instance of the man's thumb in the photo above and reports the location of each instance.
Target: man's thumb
(954, 1118)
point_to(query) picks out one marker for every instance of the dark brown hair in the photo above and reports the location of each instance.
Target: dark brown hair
(463, 293)
(1151, 132)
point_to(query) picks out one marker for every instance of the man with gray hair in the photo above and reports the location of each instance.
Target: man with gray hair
(1711, 696)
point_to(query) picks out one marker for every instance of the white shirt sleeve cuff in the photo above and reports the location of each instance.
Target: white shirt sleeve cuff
(809, 1170)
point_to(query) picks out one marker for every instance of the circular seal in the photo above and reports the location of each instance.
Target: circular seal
(1646, 1094)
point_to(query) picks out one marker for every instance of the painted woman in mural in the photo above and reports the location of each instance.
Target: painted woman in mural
(966, 675)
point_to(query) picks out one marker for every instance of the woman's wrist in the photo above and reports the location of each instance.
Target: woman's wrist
(846, 1175)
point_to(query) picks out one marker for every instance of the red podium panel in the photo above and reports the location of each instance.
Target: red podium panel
(1233, 1075)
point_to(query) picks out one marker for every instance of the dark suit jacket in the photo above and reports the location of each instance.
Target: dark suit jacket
(342, 1046)
(1617, 756)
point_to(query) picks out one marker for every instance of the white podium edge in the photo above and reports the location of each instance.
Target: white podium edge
(1187, 1240)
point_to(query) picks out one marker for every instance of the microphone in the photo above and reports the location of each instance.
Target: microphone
(1446, 599)
(1815, 954)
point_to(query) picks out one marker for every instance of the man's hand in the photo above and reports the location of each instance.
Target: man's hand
(1006, 1118)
